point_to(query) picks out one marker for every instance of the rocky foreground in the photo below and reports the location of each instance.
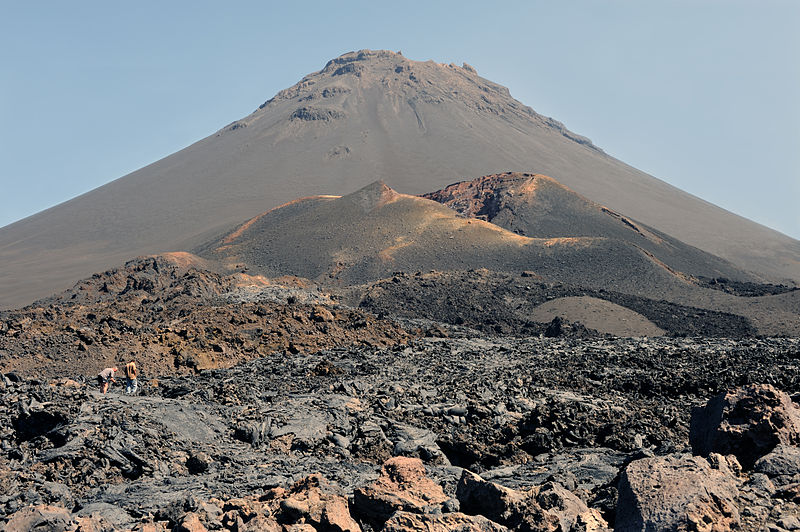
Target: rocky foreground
(466, 432)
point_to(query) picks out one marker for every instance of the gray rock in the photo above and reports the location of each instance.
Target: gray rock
(414, 441)
(109, 512)
(459, 411)
(340, 441)
(783, 460)
(198, 463)
(57, 493)
(761, 483)
(790, 523)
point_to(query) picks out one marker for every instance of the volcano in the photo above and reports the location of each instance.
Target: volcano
(366, 116)
(538, 206)
(367, 235)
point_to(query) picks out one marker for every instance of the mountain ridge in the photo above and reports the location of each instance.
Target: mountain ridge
(376, 115)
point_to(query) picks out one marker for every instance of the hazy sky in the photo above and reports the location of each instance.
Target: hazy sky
(702, 94)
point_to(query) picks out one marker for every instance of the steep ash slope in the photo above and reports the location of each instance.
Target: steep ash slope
(365, 116)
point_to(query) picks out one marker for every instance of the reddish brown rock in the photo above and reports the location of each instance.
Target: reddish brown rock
(555, 500)
(94, 524)
(250, 513)
(591, 521)
(411, 522)
(42, 518)
(302, 527)
(307, 503)
(259, 523)
(158, 526)
(190, 523)
(321, 314)
(676, 493)
(748, 422)
(402, 486)
(514, 509)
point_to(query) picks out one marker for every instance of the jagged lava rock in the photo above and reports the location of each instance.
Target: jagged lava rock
(409, 522)
(502, 505)
(748, 422)
(43, 517)
(402, 486)
(307, 503)
(783, 460)
(190, 523)
(676, 493)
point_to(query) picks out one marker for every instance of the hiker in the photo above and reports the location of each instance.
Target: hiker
(131, 384)
(105, 377)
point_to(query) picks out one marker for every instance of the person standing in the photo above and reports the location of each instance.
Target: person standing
(131, 384)
(105, 377)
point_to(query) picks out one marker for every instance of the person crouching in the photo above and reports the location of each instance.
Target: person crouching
(105, 377)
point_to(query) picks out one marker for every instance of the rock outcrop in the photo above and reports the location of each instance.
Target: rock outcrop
(748, 422)
(402, 487)
(545, 507)
(411, 522)
(676, 493)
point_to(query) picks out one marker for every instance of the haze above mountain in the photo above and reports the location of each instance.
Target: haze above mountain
(417, 126)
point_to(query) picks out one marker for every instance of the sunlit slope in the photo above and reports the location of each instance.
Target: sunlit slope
(375, 231)
(538, 206)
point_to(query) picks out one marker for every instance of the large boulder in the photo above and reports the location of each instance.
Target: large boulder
(402, 486)
(571, 512)
(411, 522)
(41, 518)
(190, 523)
(307, 503)
(748, 422)
(676, 492)
(501, 504)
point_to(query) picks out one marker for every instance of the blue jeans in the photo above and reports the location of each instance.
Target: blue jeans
(131, 385)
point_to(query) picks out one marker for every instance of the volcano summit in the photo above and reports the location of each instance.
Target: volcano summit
(366, 115)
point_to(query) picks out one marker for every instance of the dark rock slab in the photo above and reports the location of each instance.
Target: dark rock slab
(783, 460)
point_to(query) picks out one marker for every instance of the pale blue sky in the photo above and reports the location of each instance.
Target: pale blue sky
(702, 94)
